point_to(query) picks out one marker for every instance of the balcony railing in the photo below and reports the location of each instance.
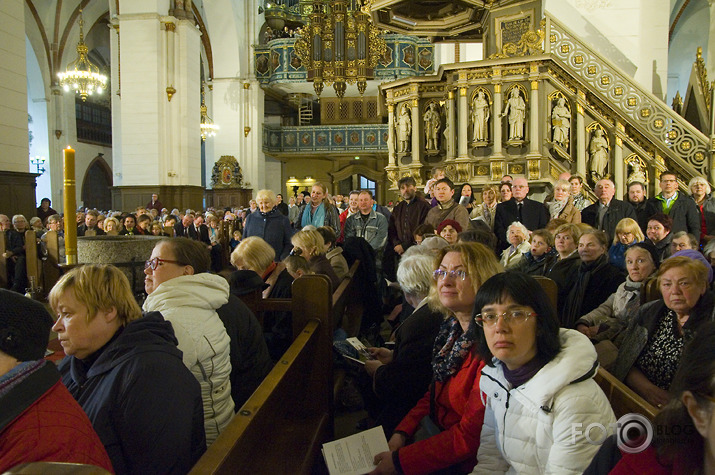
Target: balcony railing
(326, 138)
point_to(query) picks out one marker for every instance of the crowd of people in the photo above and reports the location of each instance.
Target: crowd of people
(485, 372)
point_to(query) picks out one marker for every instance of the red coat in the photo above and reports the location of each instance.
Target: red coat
(460, 412)
(52, 429)
(647, 462)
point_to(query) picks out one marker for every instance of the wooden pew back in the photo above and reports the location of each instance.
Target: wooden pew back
(622, 398)
(282, 426)
(50, 264)
(33, 260)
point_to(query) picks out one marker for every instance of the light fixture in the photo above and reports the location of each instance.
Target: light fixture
(39, 162)
(208, 128)
(340, 45)
(81, 74)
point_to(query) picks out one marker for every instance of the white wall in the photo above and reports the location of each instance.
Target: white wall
(690, 32)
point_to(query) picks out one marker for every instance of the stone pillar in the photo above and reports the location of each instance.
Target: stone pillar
(581, 139)
(462, 139)
(619, 166)
(416, 131)
(534, 121)
(452, 125)
(391, 159)
(496, 121)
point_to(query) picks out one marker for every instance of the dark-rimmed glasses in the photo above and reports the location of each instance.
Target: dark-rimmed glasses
(157, 261)
(516, 317)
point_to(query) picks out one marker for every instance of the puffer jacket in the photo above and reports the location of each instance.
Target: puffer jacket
(529, 429)
(190, 302)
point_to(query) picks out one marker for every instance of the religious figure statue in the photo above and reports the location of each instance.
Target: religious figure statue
(637, 173)
(433, 123)
(598, 149)
(404, 128)
(480, 117)
(516, 108)
(561, 122)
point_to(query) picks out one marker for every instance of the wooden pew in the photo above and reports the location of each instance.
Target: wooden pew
(282, 426)
(51, 262)
(33, 260)
(346, 303)
(550, 287)
(622, 398)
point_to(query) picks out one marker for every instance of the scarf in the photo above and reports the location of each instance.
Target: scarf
(572, 306)
(450, 348)
(556, 207)
(317, 219)
(626, 299)
(18, 374)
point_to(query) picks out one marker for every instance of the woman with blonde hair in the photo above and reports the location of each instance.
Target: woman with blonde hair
(319, 212)
(122, 368)
(487, 210)
(268, 223)
(310, 244)
(562, 206)
(627, 233)
(111, 226)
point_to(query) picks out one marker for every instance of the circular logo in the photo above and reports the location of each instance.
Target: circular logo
(634, 433)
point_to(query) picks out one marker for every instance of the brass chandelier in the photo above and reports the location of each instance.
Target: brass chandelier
(208, 128)
(340, 45)
(81, 74)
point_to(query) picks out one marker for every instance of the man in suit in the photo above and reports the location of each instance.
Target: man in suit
(182, 227)
(530, 213)
(679, 206)
(90, 228)
(607, 211)
(199, 231)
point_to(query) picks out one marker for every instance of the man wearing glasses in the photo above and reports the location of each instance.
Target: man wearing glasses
(681, 208)
(530, 213)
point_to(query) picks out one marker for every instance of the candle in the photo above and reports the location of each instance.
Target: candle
(70, 206)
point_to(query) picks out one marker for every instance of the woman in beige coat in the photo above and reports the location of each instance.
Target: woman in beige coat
(562, 207)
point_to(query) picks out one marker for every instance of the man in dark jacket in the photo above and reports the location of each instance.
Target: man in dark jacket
(679, 206)
(44, 211)
(280, 205)
(15, 254)
(605, 214)
(638, 198)
(530, 213)
(89, 227)
(406, 216)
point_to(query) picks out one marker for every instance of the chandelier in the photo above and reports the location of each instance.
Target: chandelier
(208, 128)
(81, 74)
(340, 45)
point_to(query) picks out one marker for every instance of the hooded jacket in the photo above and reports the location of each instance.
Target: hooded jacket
(529, 428)
(142, 401)
(190, 302)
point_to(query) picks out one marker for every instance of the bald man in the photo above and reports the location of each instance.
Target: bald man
(607, 211)
(530, 213)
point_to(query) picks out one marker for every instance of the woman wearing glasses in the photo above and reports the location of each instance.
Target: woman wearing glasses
(445, 424)
(539, 387)
(179, 286)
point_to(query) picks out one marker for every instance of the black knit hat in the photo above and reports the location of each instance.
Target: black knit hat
(652, 250)
(24, 327)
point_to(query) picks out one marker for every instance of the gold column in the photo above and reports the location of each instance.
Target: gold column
(70, 207)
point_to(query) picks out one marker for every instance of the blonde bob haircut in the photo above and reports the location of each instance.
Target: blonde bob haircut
(628, 225)
(98, 287)
(570, 229)
(310, 240)
(693, 267)
(480, 264)
(267, 195)
(255, 254)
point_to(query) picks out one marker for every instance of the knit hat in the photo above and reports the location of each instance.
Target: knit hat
(693, 254)
(24, 327)
(449, 222)
(648, 246)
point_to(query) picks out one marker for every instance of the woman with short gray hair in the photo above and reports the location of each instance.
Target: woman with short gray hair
(701, 191)
(518, 236)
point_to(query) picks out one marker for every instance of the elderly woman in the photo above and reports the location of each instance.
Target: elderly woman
(562, 206)
(188, 297)
(654, 340)
(538, 383)
(319, 212)
(309, 244)
(518, 236)
(449, 229)
(658, 232)
(487, 210)
(127, 373)
(701, 193)
(269, 224)
(627, 233)
(453, 406)
(333, 253)
(400, 377)
(594, 281)
(609, 319)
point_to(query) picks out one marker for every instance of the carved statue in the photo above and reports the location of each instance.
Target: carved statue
(598, 149)
(637, 173)
(516, 108)
(432, 125)
(404, 128)
(480, 117)
(561, 122)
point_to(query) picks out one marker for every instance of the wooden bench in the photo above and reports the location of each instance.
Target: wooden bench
(622, 398)
(282, 426)
(51, 270)
(347, 306)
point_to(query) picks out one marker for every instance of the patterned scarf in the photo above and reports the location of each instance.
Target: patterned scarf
(450, 348)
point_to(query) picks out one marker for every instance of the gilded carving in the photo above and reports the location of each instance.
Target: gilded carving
(632, 101)
(534, 172)
(482, 170)
(516, 169)
(578, 59)
(479, 75)
(686, 145)
(605, 80)
(591, 70)
(618, 91)
(564, 49)
(645, 113)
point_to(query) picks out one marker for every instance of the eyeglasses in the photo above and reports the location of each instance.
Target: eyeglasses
(516, 317)
(454, 274)
(296, 251)
(157, 261)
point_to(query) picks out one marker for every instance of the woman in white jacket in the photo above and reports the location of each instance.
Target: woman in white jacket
(180, 288)
(539, 388)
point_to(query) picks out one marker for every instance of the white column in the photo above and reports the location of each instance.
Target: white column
(581, 138)
(452, 129)
(496, 122)
(462, 139)
(619, 166)
(416, 131)
(391, 159)
(534, 120)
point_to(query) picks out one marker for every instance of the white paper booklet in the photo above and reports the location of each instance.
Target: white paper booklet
(353, 455)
